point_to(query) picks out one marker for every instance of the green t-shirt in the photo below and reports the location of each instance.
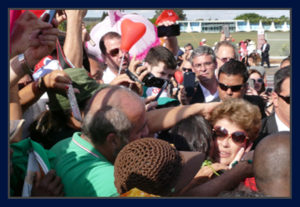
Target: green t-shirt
(84, 171)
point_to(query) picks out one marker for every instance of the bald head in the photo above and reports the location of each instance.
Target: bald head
(271, 165)
(127, 102)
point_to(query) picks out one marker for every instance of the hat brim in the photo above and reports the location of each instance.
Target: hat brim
(191, 164)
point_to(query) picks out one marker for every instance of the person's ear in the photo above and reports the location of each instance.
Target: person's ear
(148, 66)
(113, 140)
(274, 98)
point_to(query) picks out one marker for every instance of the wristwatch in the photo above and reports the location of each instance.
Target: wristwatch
(22, 61)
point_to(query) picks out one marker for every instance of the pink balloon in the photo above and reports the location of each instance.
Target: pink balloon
(131, 33)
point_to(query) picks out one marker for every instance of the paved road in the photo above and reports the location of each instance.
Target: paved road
(270, 75)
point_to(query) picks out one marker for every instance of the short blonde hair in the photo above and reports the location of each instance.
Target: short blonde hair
(240, 112)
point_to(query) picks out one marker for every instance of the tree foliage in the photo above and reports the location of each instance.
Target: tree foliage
(255, 18)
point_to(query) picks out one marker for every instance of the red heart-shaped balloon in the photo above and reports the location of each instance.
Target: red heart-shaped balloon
(178, 76)
(131, 33)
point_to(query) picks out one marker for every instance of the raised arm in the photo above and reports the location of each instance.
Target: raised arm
(73, 43)
(56, 80)
(161, 119)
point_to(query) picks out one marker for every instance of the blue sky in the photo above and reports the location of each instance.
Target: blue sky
(204, 14)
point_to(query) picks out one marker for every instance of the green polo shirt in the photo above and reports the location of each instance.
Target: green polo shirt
(84, 171)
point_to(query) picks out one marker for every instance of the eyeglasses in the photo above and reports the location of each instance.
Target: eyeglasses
(206, 64)
(114, 52)
(238, 136)
(187, 69)
(225, 59)
(285, 98)
(260, 80)
(233, 88)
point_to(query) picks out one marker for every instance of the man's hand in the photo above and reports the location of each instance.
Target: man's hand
(150, 103)
(182, 97)
(49, 185)
(26, 32)
(47, 43)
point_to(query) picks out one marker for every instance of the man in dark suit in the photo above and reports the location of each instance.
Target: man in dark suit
(265, 53)
(280, 119)
(204, 63)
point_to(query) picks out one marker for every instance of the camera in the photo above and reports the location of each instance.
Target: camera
(151, 81)
(169, 31)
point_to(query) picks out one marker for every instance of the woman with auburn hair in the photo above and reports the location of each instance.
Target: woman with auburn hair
(236, 124)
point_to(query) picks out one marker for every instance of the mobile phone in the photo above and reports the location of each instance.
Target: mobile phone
(251, 83)
(226, 30)
(269, 91)
(151, 81)
(161, 90)
(51, 15)
(132, 76)
(189, 83)
(172, 30)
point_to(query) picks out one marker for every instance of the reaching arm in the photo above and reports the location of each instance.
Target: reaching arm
(56, 80)
(73, 42)
(227, 181)
(15, 111)
(165, 118)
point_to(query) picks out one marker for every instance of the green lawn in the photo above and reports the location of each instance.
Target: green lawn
(279, 41)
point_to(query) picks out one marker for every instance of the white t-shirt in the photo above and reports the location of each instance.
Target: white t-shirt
(207, 95)
(108, 75)
(280, 125)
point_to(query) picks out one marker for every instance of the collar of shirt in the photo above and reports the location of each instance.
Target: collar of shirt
(207, 95)
(280, 125)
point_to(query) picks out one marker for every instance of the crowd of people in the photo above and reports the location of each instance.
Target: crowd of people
(195, 123)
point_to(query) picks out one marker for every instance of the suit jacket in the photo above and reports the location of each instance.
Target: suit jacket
(265, 53)
(258, 101)
(268, 126)
(198, 96)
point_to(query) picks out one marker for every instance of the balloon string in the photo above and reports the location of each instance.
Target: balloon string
(120, 68)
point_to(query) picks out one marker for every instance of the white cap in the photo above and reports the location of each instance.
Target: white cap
(203, 40)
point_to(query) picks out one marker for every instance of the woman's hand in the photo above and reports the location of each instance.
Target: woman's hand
(241, 153)
(57, 80)
(209, 170)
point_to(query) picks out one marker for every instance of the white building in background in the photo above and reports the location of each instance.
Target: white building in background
(215, 26)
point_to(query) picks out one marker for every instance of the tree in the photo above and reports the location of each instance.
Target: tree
(255, 18)
(252, 17)
(104, 14)
(179, 12)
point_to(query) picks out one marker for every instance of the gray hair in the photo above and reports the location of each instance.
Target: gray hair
(108, 119)
(203, 50)
(227, 44)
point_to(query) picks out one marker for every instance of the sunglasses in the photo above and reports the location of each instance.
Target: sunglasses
(187, 69)
(114, 52)
(287, 99)
(233, 88)
(238, 136)
(260, 80)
